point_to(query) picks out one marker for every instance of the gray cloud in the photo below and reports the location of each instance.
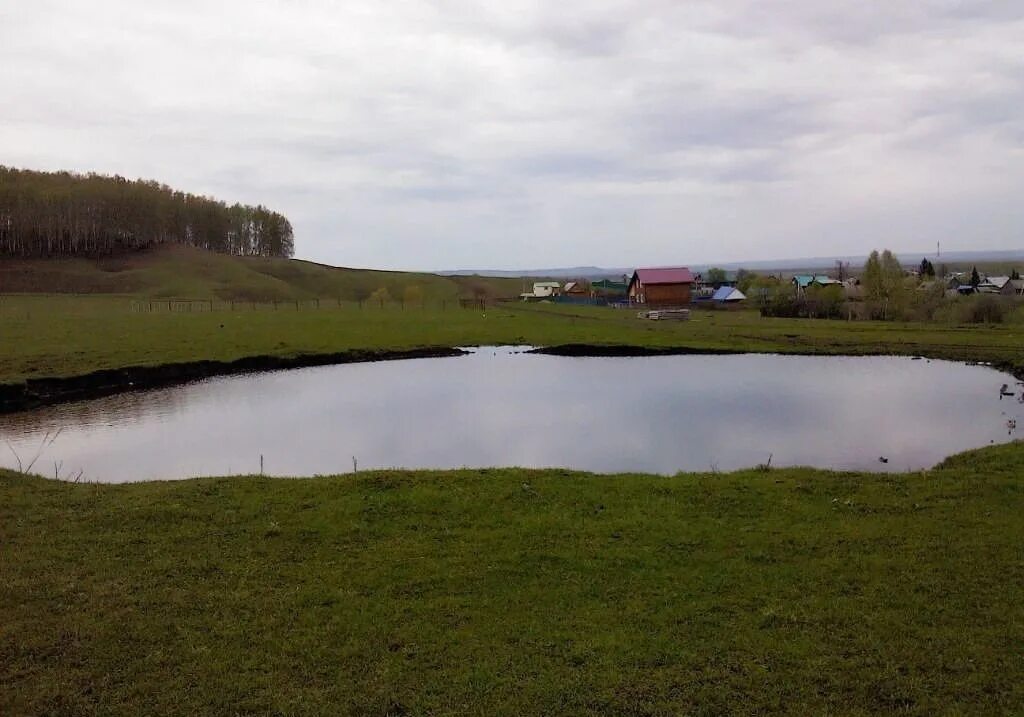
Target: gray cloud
(437, 135)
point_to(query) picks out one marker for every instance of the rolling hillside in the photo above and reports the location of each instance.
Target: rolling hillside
(174, 271)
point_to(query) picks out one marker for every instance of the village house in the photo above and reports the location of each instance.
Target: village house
(852, 288)
(1013, 287)
(993, 285)
(728, 295)
(667, 286)
(543, 290)
(802, 282)
(575, 288)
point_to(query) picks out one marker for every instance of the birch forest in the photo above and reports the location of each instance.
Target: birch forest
(50, 214)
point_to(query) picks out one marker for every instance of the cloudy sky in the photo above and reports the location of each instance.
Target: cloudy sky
(519, 134)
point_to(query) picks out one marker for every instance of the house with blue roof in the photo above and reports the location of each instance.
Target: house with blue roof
(728, 295)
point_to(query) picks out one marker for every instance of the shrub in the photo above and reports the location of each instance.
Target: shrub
(986, 309)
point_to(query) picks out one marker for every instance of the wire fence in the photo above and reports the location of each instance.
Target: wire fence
(187, 306)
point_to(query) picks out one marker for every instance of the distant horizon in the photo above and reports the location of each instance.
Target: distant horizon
(952, 255)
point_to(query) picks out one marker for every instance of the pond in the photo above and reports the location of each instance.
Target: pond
(501, 406)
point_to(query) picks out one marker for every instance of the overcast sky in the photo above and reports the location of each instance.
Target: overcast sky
(442, 135)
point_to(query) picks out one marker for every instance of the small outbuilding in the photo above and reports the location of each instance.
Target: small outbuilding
(665, 286)
(728, 295)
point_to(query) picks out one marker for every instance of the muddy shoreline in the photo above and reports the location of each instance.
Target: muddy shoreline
(37, 392)
(597, 350)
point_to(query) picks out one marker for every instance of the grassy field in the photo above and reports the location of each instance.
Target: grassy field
(500, 591)
(518, 592)
(182, 272)
(45, 336)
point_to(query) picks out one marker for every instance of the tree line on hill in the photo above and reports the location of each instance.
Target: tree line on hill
(47, 214)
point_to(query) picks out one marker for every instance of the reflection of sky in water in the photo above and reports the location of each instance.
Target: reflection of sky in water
(656, 414)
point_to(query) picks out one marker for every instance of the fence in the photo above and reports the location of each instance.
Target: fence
(188, 306)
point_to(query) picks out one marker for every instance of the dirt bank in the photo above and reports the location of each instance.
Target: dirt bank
(45, 391)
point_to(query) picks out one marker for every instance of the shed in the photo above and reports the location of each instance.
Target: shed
(665, 286)
(729, 295)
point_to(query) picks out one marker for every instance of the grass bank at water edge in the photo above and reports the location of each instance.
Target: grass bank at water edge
(510, 591)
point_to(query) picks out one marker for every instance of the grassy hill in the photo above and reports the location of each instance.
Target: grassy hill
(175, 271)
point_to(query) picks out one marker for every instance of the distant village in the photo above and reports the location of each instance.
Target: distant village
(679, 286)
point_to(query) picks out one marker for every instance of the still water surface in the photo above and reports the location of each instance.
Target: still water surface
(502, 407)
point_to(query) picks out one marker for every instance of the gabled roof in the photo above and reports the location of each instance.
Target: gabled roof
(805, 280)
(997, 281)
(728, 293)
(665, 275)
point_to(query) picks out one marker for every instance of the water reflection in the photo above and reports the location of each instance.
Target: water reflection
(498, 407)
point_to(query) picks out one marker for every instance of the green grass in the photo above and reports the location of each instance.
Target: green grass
(509, 591)
(45, 336)
(174, 271)
(502, 591)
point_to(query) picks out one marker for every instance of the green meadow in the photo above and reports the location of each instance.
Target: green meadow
(54, 335)
(500, 591)
(510, 591)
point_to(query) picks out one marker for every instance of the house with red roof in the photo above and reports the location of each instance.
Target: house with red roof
(664, 286)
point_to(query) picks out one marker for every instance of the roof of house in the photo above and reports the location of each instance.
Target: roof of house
(805, 280)
(570, 285)
(550, 284)
(997, 281)
(1017, 284)
(729, 293)
(665, 275)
